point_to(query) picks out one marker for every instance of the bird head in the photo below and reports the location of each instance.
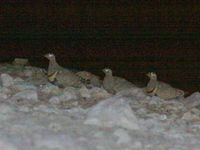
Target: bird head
(152, 75)
(107, 71)
(50, 56)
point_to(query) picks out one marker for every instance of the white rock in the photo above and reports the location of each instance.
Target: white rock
(28, 73)
(26, 95)
(123, 136)
(6, 109)
(84, 92)
(95, 92)
(24, 109)
(18, 79)
(77, 112)
(44, 108)
(162, 117)
(50, 88)
(57, 143)
(69, 94)
(111, 112)
(24, 86)
(6, 112)
(154, 99)
(99, 93)
(194, 96)
(192, 100)
(3, 96)
(54, 100)
(137, 145)
(99, 134)
(5, 145)
(55, 126)
(5, 90)
(188, 116)
(142, 111)
(136, 92)
(7, 80)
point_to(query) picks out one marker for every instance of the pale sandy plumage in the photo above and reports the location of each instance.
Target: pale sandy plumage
(115, 84)
(62, 75)
(161, 89)
(53, 65)
(20, 62)
(89, 78)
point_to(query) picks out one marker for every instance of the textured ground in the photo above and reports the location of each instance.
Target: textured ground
(36, 115)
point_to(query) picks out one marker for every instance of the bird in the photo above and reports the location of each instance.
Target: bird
(113, 84)
(89, 78)
(21, 62)
(61, 75)
(53, 65)
(162, 89)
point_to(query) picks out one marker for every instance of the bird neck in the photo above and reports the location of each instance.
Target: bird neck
(109, 74)
(153, 80)
(53, 61)
(52, 65)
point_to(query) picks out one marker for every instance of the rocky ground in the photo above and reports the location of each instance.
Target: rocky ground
(37, 115)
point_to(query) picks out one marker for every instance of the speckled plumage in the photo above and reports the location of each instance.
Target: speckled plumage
(62, 75)
(53, 65)
(115, 84)
(161, 89)
(89, 78)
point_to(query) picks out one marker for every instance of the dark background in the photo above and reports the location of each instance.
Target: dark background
(130, 38)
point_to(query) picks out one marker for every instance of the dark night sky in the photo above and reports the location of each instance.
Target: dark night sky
(130, 38)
